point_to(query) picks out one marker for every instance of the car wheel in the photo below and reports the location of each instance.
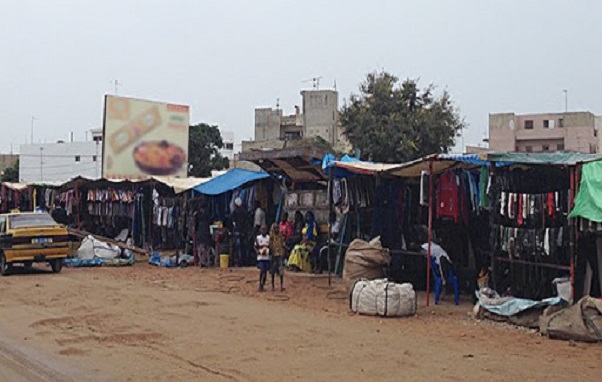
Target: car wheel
(4, 265)
(56, 265)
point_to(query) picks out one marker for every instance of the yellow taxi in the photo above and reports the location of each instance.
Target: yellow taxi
(31, 237)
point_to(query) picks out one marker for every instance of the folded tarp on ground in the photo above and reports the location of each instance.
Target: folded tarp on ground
(97, 262)
(75, 262)
(517, 311)
(514, 306)
(182, 260)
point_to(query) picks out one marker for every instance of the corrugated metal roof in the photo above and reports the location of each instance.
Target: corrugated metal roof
(555, 158)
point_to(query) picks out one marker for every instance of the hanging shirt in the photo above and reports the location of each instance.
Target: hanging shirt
(259, 220)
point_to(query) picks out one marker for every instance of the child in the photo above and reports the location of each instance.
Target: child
(262, 247)
(277, 255)
(223, 240)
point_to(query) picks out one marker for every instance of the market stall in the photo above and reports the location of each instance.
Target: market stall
(408, 206)
(233, 200)
(535, 243)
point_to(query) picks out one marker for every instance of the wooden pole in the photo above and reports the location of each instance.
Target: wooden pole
(77, 209)
(331, 221)
(4, 203)
(430, 234)
(572, 231)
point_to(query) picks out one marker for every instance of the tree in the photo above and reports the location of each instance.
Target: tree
(204, 142)
(389, 122)
(11, 174)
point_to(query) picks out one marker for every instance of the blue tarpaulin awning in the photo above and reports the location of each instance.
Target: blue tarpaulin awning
(229, 181)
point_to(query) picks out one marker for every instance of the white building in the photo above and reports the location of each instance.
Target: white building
(228, 150)
(61, 161)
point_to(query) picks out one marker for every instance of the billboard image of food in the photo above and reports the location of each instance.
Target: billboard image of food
(144, 138)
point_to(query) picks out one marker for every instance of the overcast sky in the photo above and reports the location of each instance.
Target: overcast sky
(224, 58)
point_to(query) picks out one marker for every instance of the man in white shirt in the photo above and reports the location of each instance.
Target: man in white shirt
(259, 220)
(262, 247)
(440, 257)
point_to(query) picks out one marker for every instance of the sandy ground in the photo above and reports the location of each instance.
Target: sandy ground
(148, 324)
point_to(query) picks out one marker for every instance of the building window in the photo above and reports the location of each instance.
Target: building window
(529, 124)
(560, 147)
(229, 146)
(546, 124)
(93, 158)
(528, 149)
(292, 135)
(592, 148)
(78, 158)
(545, 148)
(560, 122)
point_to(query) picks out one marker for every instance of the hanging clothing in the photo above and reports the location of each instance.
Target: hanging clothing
(447, 197)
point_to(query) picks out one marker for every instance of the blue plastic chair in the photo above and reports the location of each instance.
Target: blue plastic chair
(451, 277)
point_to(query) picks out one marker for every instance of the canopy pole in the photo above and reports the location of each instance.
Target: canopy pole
(430, 234)
(76, 197)
(331, 221)
(572, 231)
(4, 203)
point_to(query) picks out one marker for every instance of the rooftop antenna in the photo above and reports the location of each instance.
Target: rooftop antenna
(116, 85)
(335, 84)
(566, 100)
(277, 103)
(315, 82)
(32, 119)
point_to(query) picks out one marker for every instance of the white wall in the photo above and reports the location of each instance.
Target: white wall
(228, 139)
(57, 161)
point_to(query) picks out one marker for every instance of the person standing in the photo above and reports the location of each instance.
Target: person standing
(240, 232)
(277, 251)
(297, 235)
(285, 227)
(59, 214)
(259, 217)
(262, 247)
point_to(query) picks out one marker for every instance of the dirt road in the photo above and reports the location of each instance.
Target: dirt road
(148, 324)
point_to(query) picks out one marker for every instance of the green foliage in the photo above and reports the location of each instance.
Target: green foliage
(11, 174)
(203, 150)
(394, 123)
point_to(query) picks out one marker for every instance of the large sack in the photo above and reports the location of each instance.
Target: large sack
(382, 298)
(580, 322)
(94, 248)
(365, 260)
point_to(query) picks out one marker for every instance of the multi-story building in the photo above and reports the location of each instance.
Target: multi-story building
(319, 118)
(7, 160)
(570, 131)
(61, 161)
(228, 150)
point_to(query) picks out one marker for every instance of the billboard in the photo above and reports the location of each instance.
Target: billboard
(144, 138)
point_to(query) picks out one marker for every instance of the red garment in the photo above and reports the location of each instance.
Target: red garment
(286, 228)
(447, 197)
(551, 204)
(464, 202)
